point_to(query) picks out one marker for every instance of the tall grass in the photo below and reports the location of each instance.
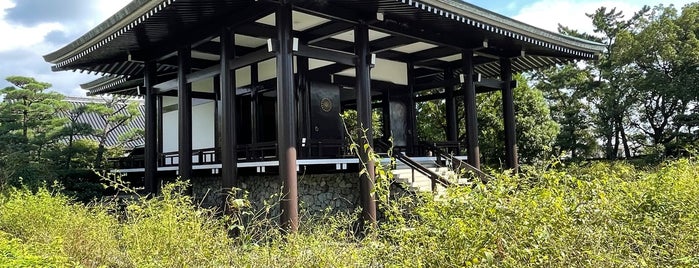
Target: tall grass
(603, 215)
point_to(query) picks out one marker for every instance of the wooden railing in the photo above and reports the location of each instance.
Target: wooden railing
(261, 151)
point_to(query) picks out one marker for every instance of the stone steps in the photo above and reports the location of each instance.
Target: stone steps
(416, 181)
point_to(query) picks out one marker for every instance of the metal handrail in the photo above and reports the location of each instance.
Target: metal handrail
(458, 164)
(415, 166)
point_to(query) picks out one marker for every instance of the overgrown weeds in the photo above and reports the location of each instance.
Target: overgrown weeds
(597, 215)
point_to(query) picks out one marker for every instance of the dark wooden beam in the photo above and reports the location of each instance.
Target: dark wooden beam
(163, 49)
(212, 47)
(194, 94)
(325, 54)
(197, 64)
(335, 44)
(245, 60)
(333, 12)
(349, 81)
(324, 31)
(454, 65)
(323, 73)
(482, 86)
(397, 27)
(389, 42)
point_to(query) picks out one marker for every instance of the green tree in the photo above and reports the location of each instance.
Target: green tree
(72, 132)
(565, 88)
(536, 130)
(613, 96)
(665, 57)
(432, 119)
(28, 128)
(114, 113)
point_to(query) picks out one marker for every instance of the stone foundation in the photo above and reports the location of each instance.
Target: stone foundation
(318, 193)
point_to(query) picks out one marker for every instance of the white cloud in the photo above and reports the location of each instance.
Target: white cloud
(548, 14)
(22, 53)
(17, 36)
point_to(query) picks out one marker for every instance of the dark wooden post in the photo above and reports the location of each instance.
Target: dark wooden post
(229, 158)
(304, 106)
(411, 111)
(184, 57)
(452, 127)
(469, 89)
(151, 130)
(508, 110)
(256, 105)
(386, 114)
(218, 118)
(160, 127)
(366, 180)
(286, 118)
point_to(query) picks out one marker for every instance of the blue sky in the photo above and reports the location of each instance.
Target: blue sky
(32, 28)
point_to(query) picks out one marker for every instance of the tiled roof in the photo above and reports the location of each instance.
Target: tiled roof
(97, 122)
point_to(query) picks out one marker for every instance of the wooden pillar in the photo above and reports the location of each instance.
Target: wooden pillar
(452, 126)
(304, 103)
(256, 105)
(218, 116)
(184, 57)
(363, 71)
(229, 144)
(411, 111)
(469, 89)
(508, 109)
(159, 108)
(386, 114)
(151, 129)
(286, 118)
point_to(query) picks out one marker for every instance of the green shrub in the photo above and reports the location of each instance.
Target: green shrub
(601, 215)
(55, 226)
(169, 231)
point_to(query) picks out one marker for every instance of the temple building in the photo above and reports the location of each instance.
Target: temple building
(240, 87)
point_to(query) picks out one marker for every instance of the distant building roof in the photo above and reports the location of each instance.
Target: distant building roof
(98, 122)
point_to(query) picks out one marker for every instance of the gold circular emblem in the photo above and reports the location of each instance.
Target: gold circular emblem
(326, 105)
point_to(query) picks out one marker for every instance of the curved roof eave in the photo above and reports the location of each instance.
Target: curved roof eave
(138, 11)
(125, 19)
(498, 23)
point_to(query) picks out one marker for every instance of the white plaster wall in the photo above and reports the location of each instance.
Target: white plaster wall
(267, 69)
(242, 76)
(170, 131)
(203, 125)
(385, 70)
(203, 131)
(204, 85)
(391, 71)
(169, 126)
